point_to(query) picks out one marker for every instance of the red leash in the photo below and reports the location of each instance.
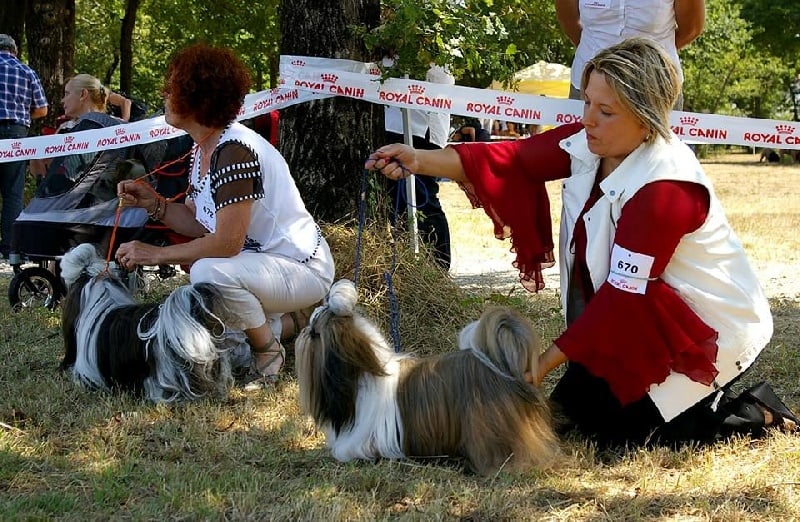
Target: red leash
(140, 180)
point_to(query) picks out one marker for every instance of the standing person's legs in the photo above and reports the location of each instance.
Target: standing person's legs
(12, 185)
(433, 226)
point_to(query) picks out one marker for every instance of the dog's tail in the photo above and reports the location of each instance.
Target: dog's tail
(83, 259)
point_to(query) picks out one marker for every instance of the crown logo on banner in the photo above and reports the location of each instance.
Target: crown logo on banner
(16, 145)
(119, 132)
(784, 129)
(375, 71)
(69, 139)
(299, 63)
(689, 120)
(505, 100)
(329, 78)
(274, 91)
(416, 89)
(281, 81)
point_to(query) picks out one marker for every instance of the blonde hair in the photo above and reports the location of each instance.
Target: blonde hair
(98, 94)
(643, 78)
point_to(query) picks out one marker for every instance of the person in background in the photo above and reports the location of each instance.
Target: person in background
(472, 130)
(663, 310)
(85, 100)
(125, 107)
(252, 235)
(22, 99)
(85, 104)
(429, 130)
(593, 25)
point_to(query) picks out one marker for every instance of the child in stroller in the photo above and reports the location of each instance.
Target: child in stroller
(77, 203)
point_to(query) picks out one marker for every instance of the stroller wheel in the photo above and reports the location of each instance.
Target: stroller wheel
(35, 286)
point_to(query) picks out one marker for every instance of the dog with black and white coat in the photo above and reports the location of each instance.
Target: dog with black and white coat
(172, 351)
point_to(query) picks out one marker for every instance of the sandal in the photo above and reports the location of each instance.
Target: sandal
(258, 378)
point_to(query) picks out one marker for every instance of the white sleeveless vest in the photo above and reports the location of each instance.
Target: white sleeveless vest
(709, 269)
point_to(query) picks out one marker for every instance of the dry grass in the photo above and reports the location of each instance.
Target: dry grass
(68, 453)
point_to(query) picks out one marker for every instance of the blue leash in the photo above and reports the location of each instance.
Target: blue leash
(362, 203)
(394, 305)
(401, 197)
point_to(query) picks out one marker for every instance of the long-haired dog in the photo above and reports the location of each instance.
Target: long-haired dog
(165, 352)
(474, 403)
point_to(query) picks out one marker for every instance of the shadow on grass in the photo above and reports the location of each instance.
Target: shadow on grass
(67, 452)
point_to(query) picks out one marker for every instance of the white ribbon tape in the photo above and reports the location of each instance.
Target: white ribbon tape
(137, 133)
(319, 76)
(308, 78)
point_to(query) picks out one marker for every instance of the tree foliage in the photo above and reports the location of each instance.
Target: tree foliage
(726, 72)
(481, 40)
(162, 26)
(776, 28)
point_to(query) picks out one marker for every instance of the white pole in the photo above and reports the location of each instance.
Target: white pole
(411, 194)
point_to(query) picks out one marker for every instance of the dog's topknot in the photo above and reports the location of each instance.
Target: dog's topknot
(342, 298)
(82, 258)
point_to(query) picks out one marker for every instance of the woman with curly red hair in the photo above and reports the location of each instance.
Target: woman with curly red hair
(254, 238)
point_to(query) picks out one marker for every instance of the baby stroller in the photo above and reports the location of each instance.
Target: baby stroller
(77, 203)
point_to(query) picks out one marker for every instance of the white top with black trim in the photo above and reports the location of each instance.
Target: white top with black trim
(245, 166)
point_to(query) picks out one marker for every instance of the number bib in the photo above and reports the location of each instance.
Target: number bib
(629, 271)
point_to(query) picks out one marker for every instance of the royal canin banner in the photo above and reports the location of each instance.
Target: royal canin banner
(307, 78)
(137, 133)
(325, 76)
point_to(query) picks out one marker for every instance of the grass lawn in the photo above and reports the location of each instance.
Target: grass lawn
(69, 453)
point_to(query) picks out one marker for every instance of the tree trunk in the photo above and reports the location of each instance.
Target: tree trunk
(327, 141)
(50, 31)
(126, 46)
(12, 21)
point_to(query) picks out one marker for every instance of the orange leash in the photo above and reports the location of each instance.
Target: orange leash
(166, 200)
(140, 180)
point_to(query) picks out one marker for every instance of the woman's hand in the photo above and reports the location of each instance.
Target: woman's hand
(136, 194)
(549, 360)
(396, 161)
(399, 161)
(135, 253)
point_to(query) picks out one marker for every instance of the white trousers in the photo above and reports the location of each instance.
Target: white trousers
(262, 286)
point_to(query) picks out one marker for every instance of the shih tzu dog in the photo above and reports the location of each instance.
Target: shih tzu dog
(473, 404)
(165, 352)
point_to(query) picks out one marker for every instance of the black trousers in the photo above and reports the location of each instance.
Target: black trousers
(12, 185)
(585, 403)
(432, 224)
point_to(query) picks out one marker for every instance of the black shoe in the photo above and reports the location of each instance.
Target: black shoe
(763, 395)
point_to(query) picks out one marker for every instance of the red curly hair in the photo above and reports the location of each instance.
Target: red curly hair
(206, 84)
